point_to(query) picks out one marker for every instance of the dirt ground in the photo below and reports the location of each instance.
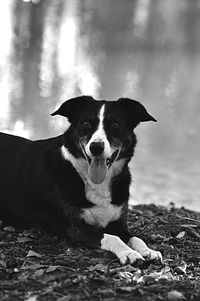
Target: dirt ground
(36, 267)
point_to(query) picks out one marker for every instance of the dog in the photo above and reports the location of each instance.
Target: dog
(76, 185)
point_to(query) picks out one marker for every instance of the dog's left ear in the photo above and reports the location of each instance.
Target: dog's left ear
(135, 110)
(72, 107)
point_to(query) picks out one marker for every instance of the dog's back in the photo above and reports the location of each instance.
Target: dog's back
(22, 202)
(13, 151)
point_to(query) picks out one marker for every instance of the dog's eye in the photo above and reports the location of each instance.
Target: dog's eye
(115, 125)
(86, 125)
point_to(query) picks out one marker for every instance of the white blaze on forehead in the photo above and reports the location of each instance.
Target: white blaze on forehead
(100, 135)
(101, 117)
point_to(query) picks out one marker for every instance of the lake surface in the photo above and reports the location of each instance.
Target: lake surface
(145, 50)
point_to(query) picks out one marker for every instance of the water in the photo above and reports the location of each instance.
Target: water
(142, 49)
(167, 158)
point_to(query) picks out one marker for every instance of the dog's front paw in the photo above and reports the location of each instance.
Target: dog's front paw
(120, 249)
(139, 245)
(150, 254)
(129, 255)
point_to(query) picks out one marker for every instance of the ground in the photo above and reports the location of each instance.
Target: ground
(36, 267)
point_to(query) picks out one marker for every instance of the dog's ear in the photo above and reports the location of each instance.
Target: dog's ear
(135, 111)
(72, 107)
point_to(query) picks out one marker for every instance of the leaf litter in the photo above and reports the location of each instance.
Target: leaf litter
(36, 267)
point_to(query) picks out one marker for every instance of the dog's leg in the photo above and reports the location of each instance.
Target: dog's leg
(139, 245)
(120, 249)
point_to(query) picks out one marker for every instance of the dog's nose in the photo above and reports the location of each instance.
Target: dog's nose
(97, 148)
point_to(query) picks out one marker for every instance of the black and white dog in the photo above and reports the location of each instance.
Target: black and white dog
(77, 185)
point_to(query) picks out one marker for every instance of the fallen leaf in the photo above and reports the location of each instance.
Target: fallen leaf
(65, 298)
(166, 239)
(106, 291)
(162, 220)
(32, 298)
(52, 268)
(189, 226)
(33, 267)
(2, 255)
(39, 273)
(195, 259)
(33, 254)
(188, 218)
(125, 268)
(126, 275)
(175, 296)
(157, 236)
(127, 289)
(195, 233)
(28, 233)
(24, 239)
(181, 268)
(3, 263)
(98, 267)
(137, 275)
(181, 235)
(9, 229)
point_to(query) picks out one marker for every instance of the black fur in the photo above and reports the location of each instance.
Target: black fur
(39, 187)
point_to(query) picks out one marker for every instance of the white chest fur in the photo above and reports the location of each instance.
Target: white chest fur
(101, 216)
(103, 212)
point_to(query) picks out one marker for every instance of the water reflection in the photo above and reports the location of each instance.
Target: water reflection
(143, 49)
(6, 48)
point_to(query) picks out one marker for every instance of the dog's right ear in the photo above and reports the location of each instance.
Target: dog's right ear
(135, 111)
(73, 106)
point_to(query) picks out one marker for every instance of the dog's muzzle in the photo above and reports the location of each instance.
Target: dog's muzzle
(98, 164)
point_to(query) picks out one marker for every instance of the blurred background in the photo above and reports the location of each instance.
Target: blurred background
(148, 50)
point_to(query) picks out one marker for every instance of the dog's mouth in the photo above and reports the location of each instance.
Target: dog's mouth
(98, 166)
(111, 160)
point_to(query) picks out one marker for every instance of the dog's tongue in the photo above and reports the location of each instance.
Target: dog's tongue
(97, 170)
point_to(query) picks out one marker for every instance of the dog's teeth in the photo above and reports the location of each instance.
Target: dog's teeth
(110, 160)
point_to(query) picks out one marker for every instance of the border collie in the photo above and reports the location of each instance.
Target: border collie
(76, 185)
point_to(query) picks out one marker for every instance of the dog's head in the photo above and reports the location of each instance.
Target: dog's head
(101, 132)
